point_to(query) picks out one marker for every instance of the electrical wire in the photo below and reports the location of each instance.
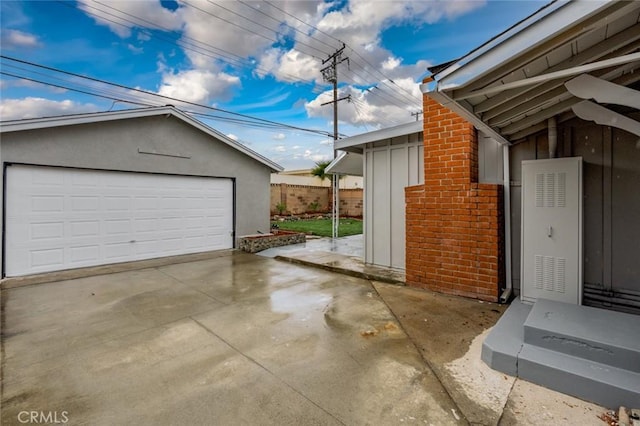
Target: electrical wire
(157, 95)
(411, 97)
(263, 26)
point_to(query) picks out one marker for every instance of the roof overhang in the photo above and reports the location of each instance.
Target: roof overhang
(99, 117)
(346, 163)
(509, 87)
(355, 143)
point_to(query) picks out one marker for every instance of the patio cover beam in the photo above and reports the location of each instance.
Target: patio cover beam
(620, 60)
(590, 111)
(604, 92)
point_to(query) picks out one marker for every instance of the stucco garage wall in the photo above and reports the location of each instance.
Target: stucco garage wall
(158, 144)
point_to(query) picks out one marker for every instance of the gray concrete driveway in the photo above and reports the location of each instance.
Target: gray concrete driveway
(236, 339)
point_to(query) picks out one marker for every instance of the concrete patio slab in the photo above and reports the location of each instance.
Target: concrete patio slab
(343, 255)
(236, 339)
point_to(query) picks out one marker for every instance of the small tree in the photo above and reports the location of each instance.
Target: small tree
(319, 170)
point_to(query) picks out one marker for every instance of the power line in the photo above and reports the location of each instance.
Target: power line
(340, 41)
(191, 44)
(157, 95)
(290, 26)
(72, 89)
(242, 61)
(263, 26)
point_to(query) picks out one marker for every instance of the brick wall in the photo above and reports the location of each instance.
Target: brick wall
(298, 198)
(454, 241)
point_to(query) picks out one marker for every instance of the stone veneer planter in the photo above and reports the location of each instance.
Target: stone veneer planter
(256, 243)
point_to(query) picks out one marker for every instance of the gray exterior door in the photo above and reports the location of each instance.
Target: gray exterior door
(552, 230)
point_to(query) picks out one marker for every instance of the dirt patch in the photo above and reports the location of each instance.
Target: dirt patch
(444, 328)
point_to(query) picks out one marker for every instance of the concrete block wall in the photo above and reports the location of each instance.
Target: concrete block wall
(454, 232)
(351, 202)
(297, 199)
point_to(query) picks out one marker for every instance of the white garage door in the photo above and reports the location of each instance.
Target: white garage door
(59, 218)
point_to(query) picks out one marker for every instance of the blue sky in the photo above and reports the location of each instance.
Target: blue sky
(261, 59)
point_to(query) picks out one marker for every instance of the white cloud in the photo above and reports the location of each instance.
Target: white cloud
(144, 36)
(217, 28)
(31, 85)
(289, 66)
(368, 107)
(14, 39)
(313, 155)
(16, 109)
(391, 63)
(135, 50)
(279, 148)
(232, 136)
(279, 136)
(152, 12)
(198, 86)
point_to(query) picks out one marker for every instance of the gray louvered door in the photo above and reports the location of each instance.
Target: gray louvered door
(552, 229)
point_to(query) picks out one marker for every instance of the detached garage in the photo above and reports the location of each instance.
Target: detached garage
(95, 189)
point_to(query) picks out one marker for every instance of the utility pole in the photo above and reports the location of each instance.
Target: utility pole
(330, 75)
(417, 114)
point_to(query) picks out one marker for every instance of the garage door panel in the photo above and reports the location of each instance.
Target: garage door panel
(46, 230)
(65, 218)
(44, 259)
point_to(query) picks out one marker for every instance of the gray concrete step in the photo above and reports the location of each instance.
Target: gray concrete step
(585, 379)
(501, 347)
(606, 337)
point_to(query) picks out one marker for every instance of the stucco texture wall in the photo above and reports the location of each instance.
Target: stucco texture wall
(157, 144)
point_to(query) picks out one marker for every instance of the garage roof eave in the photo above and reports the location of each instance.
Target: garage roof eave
(377, 135)
(97, 117)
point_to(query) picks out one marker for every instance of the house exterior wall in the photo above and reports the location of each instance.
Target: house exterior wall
(454, 224)
(390, 165)
(611, 204)
(157, 144)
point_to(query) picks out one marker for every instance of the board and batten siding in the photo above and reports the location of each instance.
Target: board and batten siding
(390, 165)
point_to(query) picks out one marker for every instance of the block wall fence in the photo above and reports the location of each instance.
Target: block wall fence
(297, 199)
(454, 231)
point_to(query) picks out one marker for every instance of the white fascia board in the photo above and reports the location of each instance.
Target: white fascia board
(378, 135)
(71, 120)
(449, 103)
(529, 33)
(346, 163)
(98, 117)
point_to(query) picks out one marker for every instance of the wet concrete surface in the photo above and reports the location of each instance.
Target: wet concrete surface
(234, 339)
(449, 331)
(343, 255)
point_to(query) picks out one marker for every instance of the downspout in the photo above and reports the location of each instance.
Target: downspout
(552, 129)
(508, 291)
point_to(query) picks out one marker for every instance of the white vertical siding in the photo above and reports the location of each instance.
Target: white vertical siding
(389, 166)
